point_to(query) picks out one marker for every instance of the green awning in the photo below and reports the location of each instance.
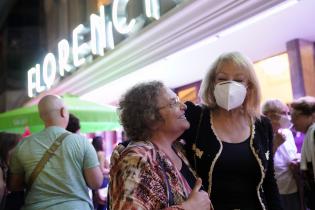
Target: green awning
(93, 117)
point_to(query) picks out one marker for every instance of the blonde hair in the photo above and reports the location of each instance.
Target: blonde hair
(252, 101)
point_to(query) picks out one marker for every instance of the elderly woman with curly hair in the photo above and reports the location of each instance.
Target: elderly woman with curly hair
(151, 172)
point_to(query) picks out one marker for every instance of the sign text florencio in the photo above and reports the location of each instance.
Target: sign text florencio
(101, 38)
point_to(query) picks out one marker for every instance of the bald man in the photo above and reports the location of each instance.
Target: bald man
(63, 182)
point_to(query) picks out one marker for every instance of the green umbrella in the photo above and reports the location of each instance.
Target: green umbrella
(93, 117)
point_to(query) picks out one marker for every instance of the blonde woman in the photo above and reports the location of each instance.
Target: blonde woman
(228, 143)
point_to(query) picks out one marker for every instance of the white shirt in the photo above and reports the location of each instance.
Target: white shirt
(285, 153)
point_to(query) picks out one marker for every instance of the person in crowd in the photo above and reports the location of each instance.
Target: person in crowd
(8, 141)
(303, 119)
(285, 153)
(229, 143)
(64, 180)
(73, 124)
(97, 143)
(150, 172)
(99, 196)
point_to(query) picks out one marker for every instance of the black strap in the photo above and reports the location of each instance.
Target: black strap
(125, 143)
(170, 195)
(48, 154)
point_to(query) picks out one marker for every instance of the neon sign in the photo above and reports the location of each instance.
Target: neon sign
(94, 40)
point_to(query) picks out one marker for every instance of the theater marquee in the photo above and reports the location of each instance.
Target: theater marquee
(91, 41)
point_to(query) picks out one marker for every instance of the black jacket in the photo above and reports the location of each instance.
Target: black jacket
(204, 151)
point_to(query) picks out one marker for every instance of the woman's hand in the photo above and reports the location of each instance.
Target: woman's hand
(197, 199)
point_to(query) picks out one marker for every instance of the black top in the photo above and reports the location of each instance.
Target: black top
(208, 151)
(236, 176)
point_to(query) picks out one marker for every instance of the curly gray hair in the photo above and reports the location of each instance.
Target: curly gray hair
(138, 110)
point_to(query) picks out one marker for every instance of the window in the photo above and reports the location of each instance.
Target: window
(274, 77)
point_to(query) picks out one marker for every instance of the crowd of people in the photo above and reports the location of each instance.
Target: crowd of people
(229, 152)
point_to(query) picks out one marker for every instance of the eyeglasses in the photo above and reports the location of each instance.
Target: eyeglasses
(175, 102)
(276, 114)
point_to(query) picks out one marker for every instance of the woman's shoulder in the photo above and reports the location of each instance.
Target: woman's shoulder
(135, 154)
(263, 122)
(194, 107)
(139, 148)
(194, 111)
(261, 119)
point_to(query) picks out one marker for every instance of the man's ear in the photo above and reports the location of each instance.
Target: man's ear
(62, 112)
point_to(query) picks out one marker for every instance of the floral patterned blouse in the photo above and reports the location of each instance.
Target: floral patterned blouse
(137, 179)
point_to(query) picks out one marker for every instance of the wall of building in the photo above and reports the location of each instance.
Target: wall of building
(21, 44)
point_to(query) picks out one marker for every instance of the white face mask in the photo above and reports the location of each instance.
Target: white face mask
(285, 122)
(229, 94)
